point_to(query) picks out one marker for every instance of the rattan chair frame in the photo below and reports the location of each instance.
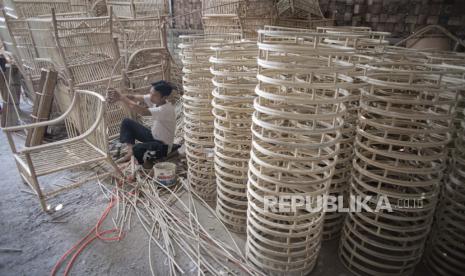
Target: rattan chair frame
(90, 146)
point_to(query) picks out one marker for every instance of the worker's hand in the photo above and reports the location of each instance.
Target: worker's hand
(113, 95)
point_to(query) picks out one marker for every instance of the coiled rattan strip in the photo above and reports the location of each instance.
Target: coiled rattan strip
(198, 118)
(234, 68)
(444, 254)
(297, 127)
(400, 151)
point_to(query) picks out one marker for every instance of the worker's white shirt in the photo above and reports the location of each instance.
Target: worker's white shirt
(164, 121)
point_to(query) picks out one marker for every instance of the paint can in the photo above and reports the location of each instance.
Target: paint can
(165, 173)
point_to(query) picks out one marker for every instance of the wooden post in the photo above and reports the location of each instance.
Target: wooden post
(35, 107)
(4, 93)
(15, 88)
(42, 106)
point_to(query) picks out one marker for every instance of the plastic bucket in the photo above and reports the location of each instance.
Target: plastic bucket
(165, 173)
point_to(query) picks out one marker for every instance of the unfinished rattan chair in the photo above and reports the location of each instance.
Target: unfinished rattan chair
(298, 8)
(19, 45)
(30, 8)
(89, 146)
(42, 38)
(139, 33)
(91, 60)
(300, 14)
(144, 67)
(137, 8)
(221, 24)
(254, 15)
(219, 7)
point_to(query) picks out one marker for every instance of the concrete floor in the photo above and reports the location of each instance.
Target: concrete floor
(41, 239)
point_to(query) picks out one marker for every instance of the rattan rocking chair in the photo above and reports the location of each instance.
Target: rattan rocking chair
(90, 145)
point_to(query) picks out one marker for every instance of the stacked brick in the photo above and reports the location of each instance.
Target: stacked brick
(397, 16)
(185, 16)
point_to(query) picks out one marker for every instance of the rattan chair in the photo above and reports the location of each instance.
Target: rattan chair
(29, 8)
(144, 67)
(90, 145)
(137, 34)
(221, 24)
(210, 7)
(18, 44)
(91, 59)
(137, 8)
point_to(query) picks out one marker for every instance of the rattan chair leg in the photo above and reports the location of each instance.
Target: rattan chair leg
(35, 184)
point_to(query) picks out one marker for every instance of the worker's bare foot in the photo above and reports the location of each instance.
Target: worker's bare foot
(125, 158)
(123, 165)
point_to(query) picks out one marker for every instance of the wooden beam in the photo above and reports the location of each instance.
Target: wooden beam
(35, 106)
(10, 86)
(4, 93)
(43, 108)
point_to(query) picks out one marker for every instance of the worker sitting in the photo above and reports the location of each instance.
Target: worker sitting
(157, 142)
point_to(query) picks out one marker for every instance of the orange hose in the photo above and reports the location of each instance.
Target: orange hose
(84, 242)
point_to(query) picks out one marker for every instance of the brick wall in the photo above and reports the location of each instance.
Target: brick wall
(400, 17)
(190, 19)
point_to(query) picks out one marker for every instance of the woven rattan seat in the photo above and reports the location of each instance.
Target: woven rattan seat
(89, 145)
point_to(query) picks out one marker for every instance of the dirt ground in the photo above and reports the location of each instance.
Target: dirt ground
(38, 240)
